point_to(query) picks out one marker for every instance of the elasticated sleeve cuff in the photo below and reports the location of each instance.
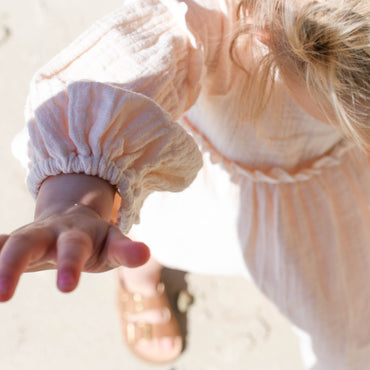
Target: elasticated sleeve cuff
(118, 135)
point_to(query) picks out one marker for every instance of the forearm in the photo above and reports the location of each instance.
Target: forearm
(69, 238)
(58, 193)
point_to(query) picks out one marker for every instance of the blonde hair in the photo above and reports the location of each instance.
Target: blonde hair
(323, 44)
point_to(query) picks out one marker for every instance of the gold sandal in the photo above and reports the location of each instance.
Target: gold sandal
(136, 331)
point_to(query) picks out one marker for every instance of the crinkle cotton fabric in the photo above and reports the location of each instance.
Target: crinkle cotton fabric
(148, 93)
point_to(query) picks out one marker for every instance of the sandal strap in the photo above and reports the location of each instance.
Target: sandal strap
(132, 303)
(136, 331)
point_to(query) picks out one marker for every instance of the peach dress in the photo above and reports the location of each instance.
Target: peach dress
(285, 202)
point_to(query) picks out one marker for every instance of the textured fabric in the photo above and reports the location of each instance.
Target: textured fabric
(285, 201)
(88, 110)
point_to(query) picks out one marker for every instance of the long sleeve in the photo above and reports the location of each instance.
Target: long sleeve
(107, 104)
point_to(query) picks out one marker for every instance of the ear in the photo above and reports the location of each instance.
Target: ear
(263, 36)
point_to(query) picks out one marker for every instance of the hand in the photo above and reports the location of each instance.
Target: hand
(70, 238)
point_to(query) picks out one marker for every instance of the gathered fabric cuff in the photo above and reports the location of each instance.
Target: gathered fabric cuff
(118, 135)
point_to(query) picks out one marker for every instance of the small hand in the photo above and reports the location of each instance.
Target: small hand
(74, 240)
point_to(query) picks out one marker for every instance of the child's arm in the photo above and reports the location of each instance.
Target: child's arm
(107, 106)
(71, 232)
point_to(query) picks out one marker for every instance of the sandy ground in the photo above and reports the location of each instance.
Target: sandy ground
(229, 326)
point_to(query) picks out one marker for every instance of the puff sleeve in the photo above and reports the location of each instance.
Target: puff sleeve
(107, 104)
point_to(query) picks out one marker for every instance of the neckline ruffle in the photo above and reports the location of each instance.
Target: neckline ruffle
(274, 175)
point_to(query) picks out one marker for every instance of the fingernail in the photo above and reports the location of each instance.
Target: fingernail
(65, 281)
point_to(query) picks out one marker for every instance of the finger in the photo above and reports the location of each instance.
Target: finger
(17, 252)
(74, 247)
(3, 239)
(122, 251)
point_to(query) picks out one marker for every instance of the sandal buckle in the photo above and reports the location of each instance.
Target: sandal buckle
(129, 303)
(138, 330)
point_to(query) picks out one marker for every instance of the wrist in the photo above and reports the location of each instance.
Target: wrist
(74, 192)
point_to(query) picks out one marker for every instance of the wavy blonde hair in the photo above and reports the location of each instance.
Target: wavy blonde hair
(322, 44)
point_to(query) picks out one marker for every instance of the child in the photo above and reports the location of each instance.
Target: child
(279, 103)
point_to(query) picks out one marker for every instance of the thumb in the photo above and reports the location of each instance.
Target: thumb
(123, 251)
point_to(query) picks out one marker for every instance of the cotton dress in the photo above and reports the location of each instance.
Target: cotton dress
(147, 99)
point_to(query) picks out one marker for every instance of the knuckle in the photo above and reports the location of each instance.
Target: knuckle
(28, 234)
(21, 238)
(73, 246)
(74, 236)
(68, 264)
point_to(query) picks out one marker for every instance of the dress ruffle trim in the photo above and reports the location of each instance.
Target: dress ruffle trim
(274, 175)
